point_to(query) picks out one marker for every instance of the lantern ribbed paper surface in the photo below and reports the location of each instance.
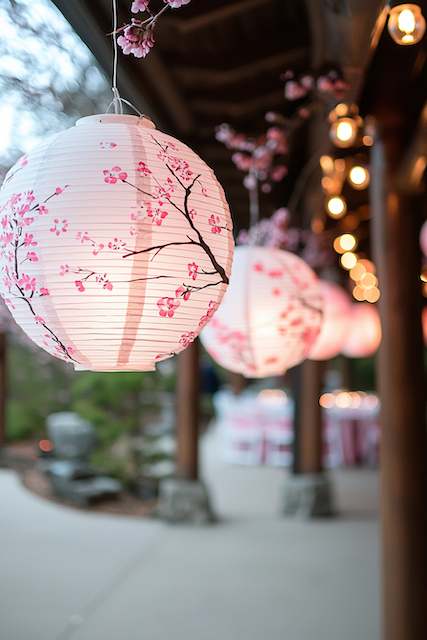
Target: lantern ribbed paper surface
(336, 317)
(270, 315)
(116, 244)
(364, 331)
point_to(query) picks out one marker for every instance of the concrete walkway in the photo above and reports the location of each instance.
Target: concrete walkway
(65, 574)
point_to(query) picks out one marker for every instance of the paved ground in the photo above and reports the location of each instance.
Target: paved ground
(65, 574)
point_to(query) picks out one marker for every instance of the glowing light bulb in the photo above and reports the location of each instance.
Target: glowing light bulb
(348, 260)
(406, 24)
(359, 177)
(336, 207)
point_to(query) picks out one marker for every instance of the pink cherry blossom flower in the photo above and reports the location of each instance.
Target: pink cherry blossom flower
(114, 174)
(32, 256)
(59, 190)
(212, 307)
(167, 307)
(193, 270)
(142, 169)
(63, 269)
(79, 284)
(193, 213)
(139, 5)
(108, 285)
(42, 209)
(44, 291)
(214, 222)
(97, 248)
(176, 4)
(4, 222)
(136, 40)
(39, 320)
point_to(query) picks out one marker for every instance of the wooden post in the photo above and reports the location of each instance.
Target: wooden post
(310, 447)
(396, 223)
(3, 387)
(187, 413)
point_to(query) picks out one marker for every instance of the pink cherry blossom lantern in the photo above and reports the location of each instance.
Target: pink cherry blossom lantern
(364, 331)
(423, 238)
(336, 314)
(116, 244)
(270, 316)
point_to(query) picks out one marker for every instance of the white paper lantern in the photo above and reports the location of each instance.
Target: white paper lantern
(364, 331)
(116, 244)
(336, 315)
(270, 315)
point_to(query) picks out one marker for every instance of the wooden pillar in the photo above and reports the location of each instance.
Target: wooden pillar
(3, 388)
(187, 412)
(310, 437)
(401, 378)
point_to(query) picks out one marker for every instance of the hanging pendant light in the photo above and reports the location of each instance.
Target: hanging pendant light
(364, 331)
(116, 244)
(270, 316)
(336, 315)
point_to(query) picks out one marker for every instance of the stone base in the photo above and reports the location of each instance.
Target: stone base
(184, 501)
(308, 496)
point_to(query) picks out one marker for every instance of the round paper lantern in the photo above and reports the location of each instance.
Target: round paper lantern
(364, 331)
(116, 244)
(423, 238)
(270, 315)
(336, 314)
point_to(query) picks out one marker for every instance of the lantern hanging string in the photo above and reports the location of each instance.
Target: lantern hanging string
(253, 204)
(117, 101)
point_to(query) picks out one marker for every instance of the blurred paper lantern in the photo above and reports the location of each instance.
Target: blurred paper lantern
(116, 244)
(406, 24)
(423, 238)
(363, 332)
(270, 315)
(336, 315)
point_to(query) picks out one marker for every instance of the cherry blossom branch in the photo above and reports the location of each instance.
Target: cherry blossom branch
(159, 247)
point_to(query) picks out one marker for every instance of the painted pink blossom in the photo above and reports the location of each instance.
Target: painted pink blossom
(111, 176)
(27, 283)
(157, 216)
(214, 222)
(39, 320)
(142, 169)
(32, 256)
(59, 226)
(183, 292)
(108, 145)
(29, 240)
(193, 270)
(43, 210)
(44, 291)
(59, 190)
(167, 307)
(187, 338)
(63, 269)
(212, 307)
(108, 286)
(80, 286)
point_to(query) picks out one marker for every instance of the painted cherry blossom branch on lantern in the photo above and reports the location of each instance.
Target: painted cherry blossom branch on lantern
(184, 210)
(19, 213)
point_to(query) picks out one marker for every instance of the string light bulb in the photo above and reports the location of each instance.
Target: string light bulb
(345, 123)
(406, 24)
(358, 177)
(345, 242)
(336, 207)
(348, 260)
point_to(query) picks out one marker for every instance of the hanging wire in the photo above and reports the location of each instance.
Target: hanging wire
(253, 203)
(117, 101)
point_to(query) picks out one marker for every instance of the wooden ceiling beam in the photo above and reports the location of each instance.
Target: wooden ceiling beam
(209, 18)
(212, 78)
(223, 109)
